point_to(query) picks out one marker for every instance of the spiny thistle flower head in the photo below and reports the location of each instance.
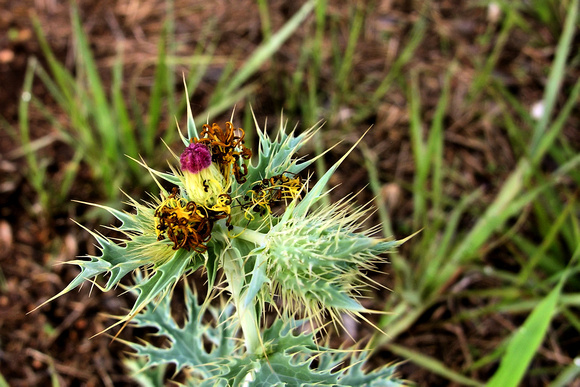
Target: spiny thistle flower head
(226, 208)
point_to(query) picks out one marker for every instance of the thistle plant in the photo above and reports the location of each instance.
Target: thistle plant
(257, 227)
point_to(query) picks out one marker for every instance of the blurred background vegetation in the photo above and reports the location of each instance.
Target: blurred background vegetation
(474, 108)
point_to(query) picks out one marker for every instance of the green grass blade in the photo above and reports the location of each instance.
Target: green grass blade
(348, 56)
(3, 382)
(61, 76)
(489, 358)
(62, 133)
(419, 153)
(483, 75)
(121, 111)
(551, 238)
(399, 320)
(296, 82)
(95, 101)
(432, 274)
(54, 89)
(548, 265)
(224, 104)
(417, 35)
(320, 16)
(525, 342)
(558, 124)
(36, 172)
(100, 108)
(62, 94)
(70, 172)
(432, 365)
(267, 49)
(265, 19)
(555, 78)
(507, 98)
(571, 318)
(493, 217)
(9, 128)
(508, 202)
(222, 87)
(172, 97)
(196, 73)
(23, 110)
(370, 160)
(517, 136)
(568, 375)
(157, 96)
(308, 70)
(436, 139)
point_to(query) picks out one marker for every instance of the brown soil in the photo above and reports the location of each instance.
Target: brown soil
(56, 341)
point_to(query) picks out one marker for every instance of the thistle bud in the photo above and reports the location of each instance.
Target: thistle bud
(322, 270)
(195, 158)
(203, 182)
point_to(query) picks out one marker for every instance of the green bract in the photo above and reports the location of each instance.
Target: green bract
(251, 216)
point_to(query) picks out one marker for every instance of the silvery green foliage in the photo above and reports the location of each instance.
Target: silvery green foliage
(289, 357)
(309, 260)
(187, 344)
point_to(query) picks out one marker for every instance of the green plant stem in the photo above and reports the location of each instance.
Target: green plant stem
(246, 234)
(234, 271)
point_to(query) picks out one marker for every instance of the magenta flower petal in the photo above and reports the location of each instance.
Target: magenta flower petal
(195, 158)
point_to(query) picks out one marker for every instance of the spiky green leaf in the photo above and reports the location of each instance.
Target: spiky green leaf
(277, 155)
(187, 343)
(286, 361)
(163, 279)
(356, 376)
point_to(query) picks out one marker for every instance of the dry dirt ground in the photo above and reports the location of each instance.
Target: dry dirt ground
(56, 341)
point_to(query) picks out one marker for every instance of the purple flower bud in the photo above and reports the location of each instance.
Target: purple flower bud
(195, 158)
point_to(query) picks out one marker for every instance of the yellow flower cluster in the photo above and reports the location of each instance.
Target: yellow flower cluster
(209, 166)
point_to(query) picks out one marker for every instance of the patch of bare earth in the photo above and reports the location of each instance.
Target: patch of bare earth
(57, 339)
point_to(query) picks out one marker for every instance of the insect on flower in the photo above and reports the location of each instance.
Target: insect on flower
(278, 189)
